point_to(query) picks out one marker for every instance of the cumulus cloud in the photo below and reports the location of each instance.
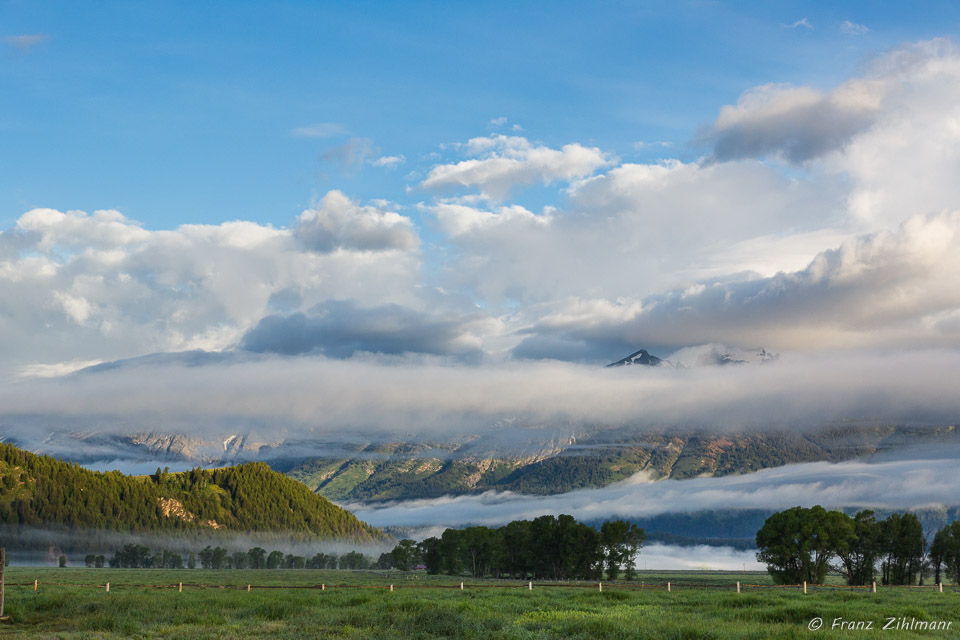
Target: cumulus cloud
(893, 485)
(503, 162)
(797, 123)
(339, 223)
(907, 162)
(890, 132)
(893, 289)
(638, 229)
(342, 328)
(876, 150)
(103, 287)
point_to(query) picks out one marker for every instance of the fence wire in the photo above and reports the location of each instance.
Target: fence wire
(596, 586)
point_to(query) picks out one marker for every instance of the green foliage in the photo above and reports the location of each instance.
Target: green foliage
(859, 553)
(548, 547)
(42, 491)
(405, 556)
(797, 545)
(945, 550)
(621, 543)
(903, 547)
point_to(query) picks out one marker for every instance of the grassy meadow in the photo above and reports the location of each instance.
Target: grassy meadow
(434, 607)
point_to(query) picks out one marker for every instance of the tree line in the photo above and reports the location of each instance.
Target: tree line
(548, 547)
(805, 544)
(138, 556)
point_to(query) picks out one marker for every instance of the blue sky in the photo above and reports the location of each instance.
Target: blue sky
(179, 113)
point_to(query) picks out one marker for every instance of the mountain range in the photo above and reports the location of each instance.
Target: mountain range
(507, 455)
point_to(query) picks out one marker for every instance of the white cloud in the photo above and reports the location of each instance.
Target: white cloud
(803, 22)
(339, 223)
(504, 162)
(874, 151)
(798, 123)
(638, 229)
(54, 370)
(389, 161)
(853, 29)
(886, 289)
(100, 286)
(643, 144)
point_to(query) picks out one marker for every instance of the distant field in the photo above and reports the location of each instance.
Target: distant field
(486, 609)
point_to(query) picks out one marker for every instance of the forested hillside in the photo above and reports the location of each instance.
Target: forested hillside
(41, 491)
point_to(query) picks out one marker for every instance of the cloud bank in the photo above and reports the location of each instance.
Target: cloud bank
(895, 485)
(271, 397)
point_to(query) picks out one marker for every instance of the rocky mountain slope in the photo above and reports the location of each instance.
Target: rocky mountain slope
(389, 471)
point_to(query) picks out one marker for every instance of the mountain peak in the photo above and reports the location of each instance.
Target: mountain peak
(638, 357)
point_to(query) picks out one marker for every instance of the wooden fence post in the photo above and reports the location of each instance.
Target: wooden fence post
(108, 587)
(3, 564)
(1, 608)
(461, 586)
(600, 587)
(323, 587)
(36, 583)
(738, 586)
(804, 587)
(391, 588)
(874, 586)
(180, 589)
(248, 588)
(530, 585)
(668, 587)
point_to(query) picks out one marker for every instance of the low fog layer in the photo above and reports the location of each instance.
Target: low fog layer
(281, 397)
(36, 546)
(663, 556)
(902, 484)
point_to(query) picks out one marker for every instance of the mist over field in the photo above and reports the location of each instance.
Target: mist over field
(43, 546)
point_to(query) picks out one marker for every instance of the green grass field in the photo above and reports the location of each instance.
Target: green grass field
(434, 607)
